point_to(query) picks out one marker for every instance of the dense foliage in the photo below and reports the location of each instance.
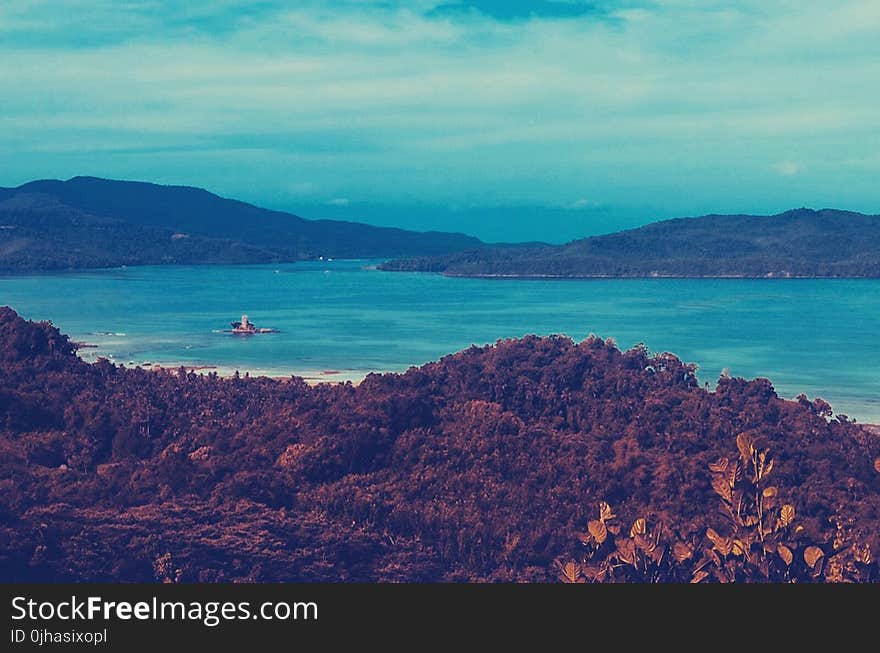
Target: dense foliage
(798, 243)
(90, 222)
(760, 539)
(486, 465)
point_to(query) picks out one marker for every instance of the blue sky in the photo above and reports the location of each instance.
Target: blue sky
(510, 120)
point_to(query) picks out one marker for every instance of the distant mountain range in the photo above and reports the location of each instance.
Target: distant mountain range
(87, 222)
(90, 222)
(797, 243)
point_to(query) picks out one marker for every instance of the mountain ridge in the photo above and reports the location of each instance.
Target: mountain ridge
(144, 223)
(796, 243)
(89, 222)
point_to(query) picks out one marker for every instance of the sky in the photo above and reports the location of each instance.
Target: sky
(510, 120)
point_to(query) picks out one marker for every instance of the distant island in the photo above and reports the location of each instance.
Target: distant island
(87, 222)
(797, 243)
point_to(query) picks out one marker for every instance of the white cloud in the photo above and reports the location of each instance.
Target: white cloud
(787, 168)
(584, 203)
(339, 201)
(302, 188)
(381, 101)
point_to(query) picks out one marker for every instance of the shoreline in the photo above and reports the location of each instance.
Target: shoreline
(588, 277)
(86, 353)
(873, 429)
(379, 264)
(312, 377)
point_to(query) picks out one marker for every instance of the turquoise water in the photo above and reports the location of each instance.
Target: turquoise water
(342, 319)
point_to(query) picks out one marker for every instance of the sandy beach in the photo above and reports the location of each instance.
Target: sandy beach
(87, 353)
(313, 377)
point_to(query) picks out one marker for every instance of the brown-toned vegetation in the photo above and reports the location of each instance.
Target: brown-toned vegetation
(762, 541)
(484, 466)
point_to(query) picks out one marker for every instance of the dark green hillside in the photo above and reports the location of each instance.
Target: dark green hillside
(797, 243)
(91, 222)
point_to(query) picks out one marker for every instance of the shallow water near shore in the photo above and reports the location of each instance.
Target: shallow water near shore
(343, 319)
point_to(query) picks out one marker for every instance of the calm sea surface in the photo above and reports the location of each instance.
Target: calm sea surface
(342, 319)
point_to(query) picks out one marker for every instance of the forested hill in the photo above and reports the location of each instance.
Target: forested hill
(489, 464)
(91, 222)
(797, 243)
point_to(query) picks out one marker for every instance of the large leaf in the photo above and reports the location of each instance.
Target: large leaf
(786, 515)
(785, 553)
(570, 572)
(768, 497)
(812, 555)
(598, 530)
(746, 445)
(639, 527)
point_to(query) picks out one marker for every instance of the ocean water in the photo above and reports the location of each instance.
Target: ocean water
(342, 319)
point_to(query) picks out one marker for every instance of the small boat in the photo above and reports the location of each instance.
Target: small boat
(246, 328)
